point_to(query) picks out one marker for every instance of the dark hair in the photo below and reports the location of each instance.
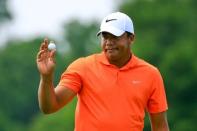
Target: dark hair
(128, 33)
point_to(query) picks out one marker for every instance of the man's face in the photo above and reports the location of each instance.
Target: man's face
(116, 48)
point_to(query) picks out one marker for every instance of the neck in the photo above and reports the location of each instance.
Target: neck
(121, 62)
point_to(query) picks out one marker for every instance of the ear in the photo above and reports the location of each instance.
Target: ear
(131, 38)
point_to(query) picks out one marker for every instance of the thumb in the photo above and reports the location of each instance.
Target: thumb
(52, 55)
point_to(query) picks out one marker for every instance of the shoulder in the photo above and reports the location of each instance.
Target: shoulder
(146, 66)
(76, 63)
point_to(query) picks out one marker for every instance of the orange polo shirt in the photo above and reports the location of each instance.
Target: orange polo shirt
(111, 98)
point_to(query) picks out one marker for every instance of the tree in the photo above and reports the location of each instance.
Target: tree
(81, 38)
(62, 120)
(4, 12)
(19, 81)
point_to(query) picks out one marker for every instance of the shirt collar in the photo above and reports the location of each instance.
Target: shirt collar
(103, 59)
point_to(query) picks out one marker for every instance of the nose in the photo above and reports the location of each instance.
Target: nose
(109, 41)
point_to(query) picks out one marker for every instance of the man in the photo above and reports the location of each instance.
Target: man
(114, 87)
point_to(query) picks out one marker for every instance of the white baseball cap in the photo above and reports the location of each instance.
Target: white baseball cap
(116, 23)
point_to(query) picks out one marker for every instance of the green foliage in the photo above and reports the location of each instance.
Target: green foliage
(18, 68)
(19, 81)
(62, 120)
(4, 13)
(82, 38)
(17, 92)
(7, 124)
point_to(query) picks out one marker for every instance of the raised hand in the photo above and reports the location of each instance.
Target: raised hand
(45, 59)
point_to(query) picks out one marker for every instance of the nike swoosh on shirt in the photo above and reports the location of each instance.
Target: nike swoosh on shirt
(110, 20)
(136, 82)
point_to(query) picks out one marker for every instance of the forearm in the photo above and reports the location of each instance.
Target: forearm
(46, 95)
(159, 122)
(160, 128)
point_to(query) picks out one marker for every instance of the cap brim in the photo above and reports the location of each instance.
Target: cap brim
(111, 30)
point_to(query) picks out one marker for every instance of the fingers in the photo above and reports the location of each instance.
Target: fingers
(52, 55)
(43, 50)
(44, 45)
(40, 55)
(44, 53)
(46, 42)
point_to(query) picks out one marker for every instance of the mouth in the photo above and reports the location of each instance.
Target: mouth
(111, 49)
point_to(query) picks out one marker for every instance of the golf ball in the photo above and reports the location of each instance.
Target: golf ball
(51, 46)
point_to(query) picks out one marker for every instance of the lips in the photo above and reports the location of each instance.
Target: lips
(111, 50)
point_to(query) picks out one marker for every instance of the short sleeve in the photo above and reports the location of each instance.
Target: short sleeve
(157, 101)
(72, 77)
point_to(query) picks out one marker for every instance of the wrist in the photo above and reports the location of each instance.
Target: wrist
(46, 78)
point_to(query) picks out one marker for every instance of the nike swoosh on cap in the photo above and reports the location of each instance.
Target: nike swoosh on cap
(110, 20)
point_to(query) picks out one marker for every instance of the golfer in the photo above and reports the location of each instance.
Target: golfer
(114, 87)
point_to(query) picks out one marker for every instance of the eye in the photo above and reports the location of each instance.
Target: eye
(107, 36)
(104, 35)
(116, 38)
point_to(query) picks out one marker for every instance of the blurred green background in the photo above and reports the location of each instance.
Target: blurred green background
(166, 33)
